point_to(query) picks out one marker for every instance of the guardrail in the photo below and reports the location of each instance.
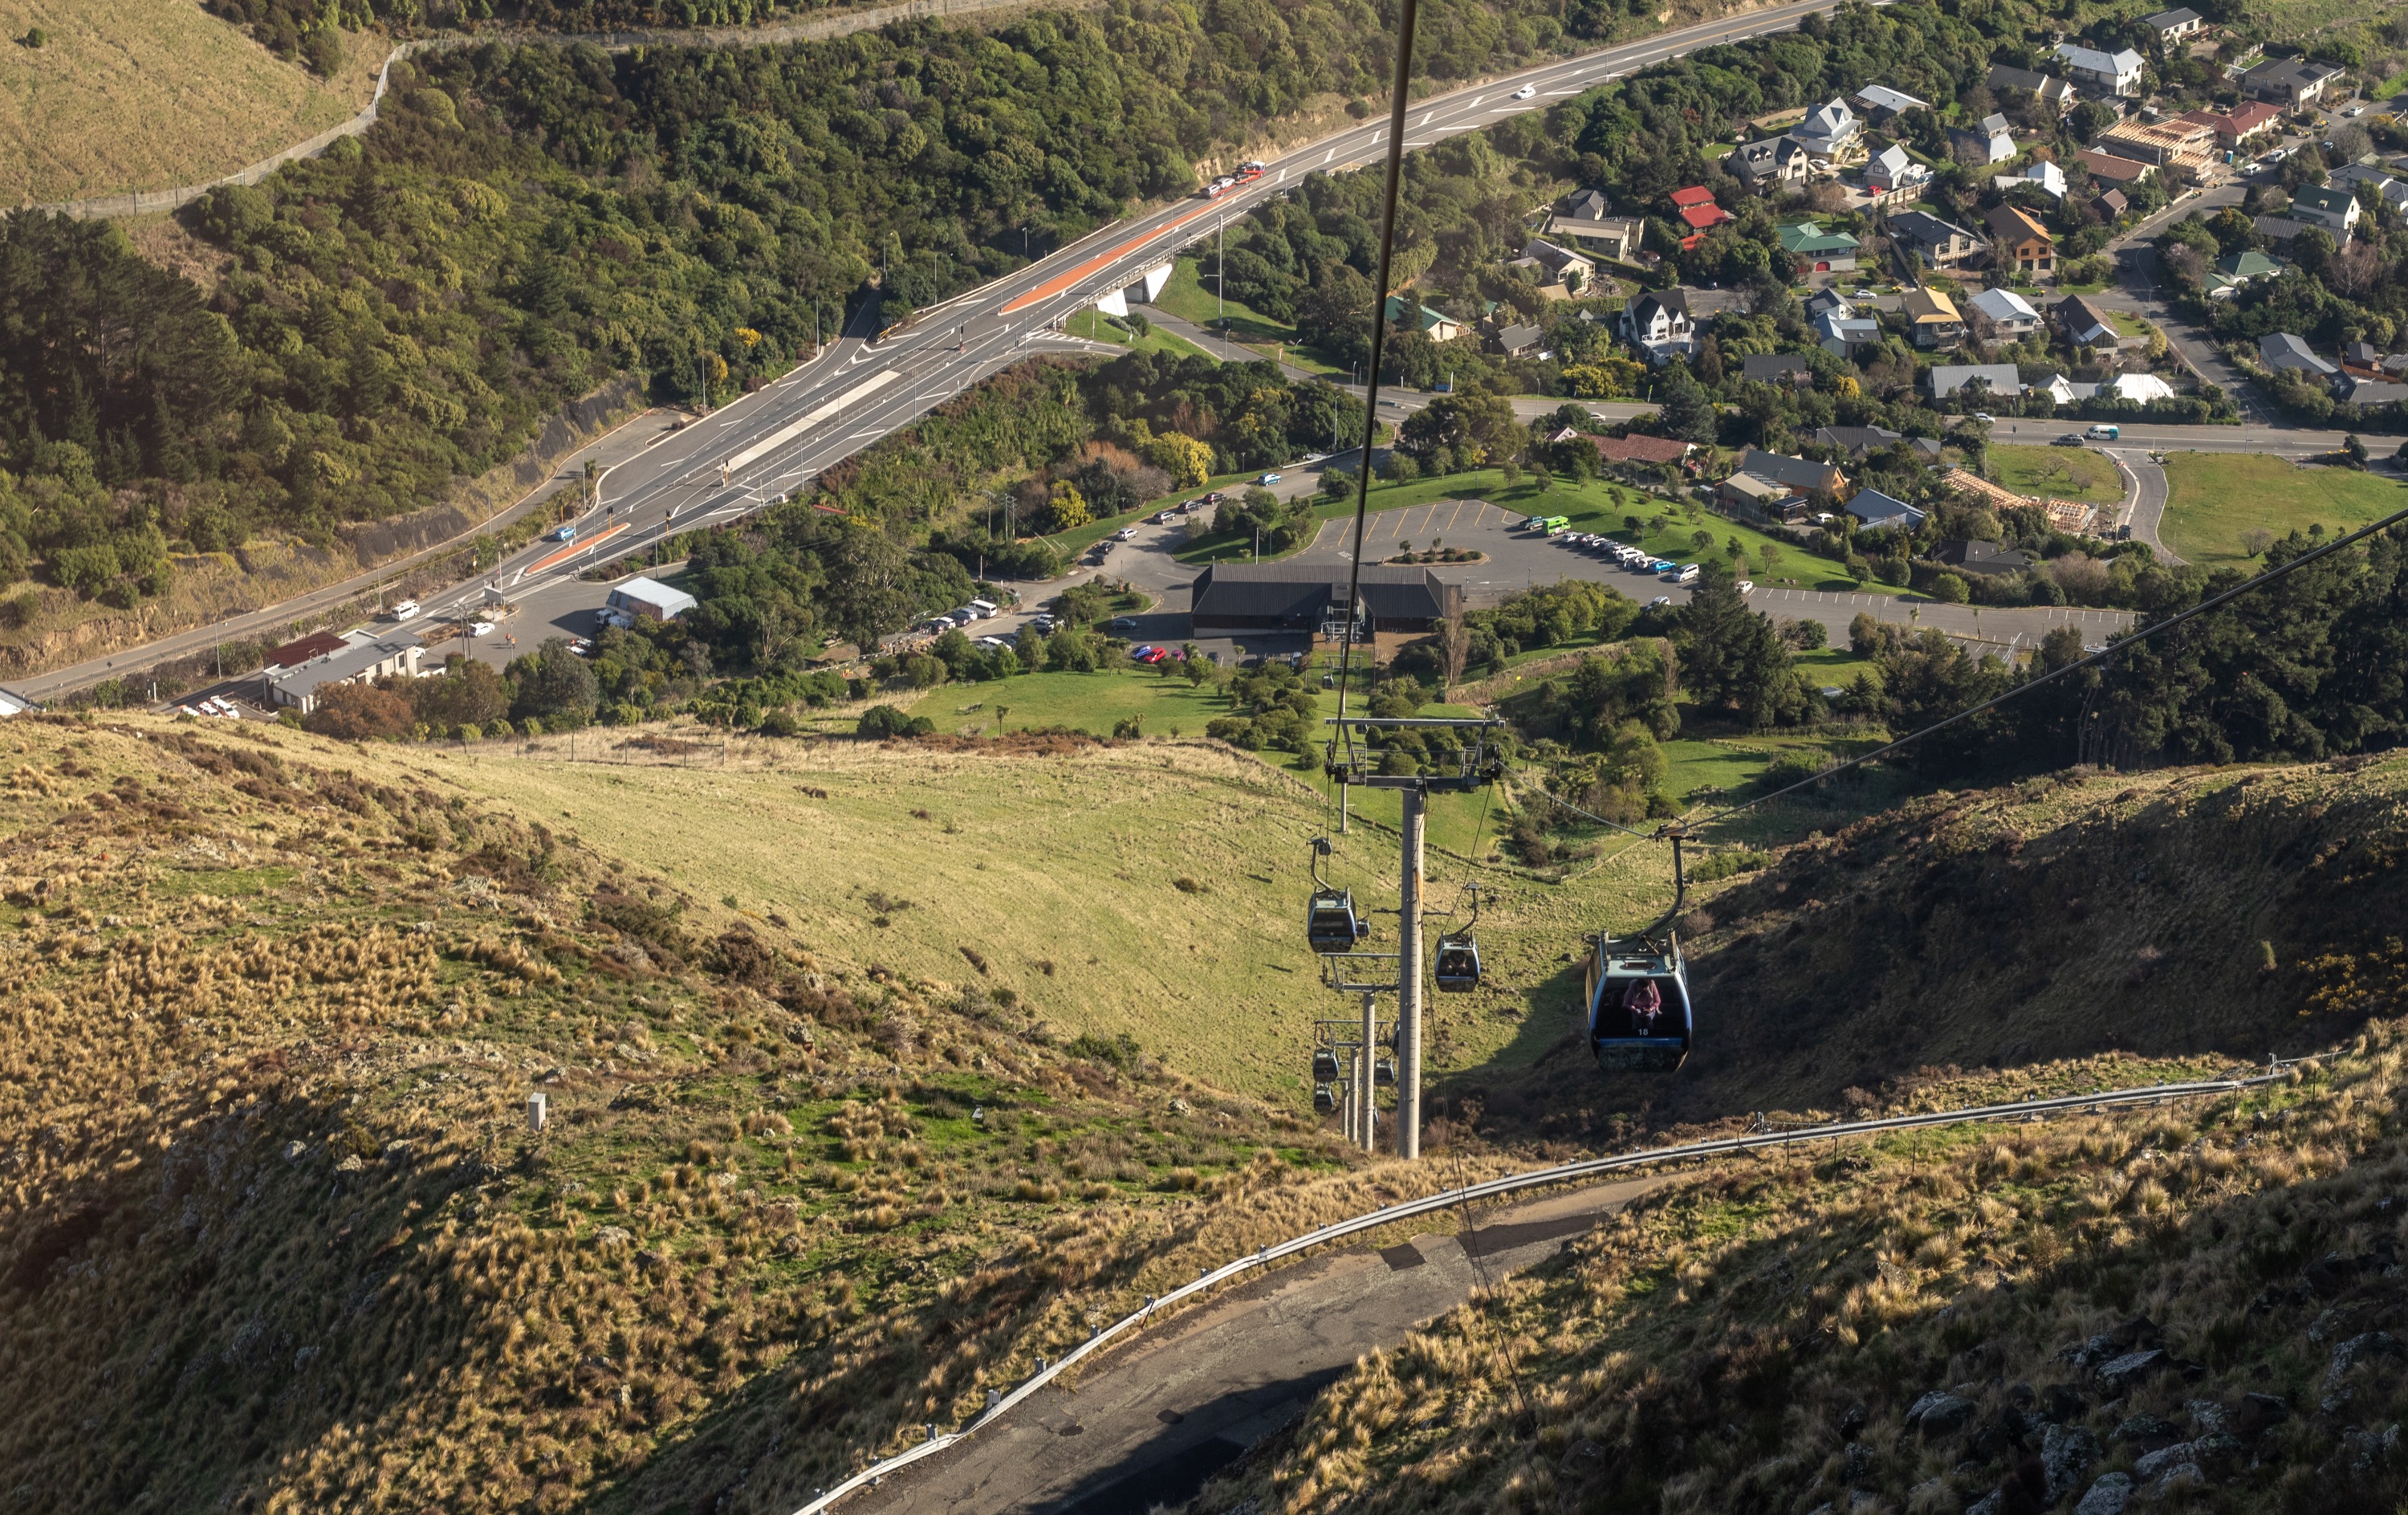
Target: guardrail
(1768, 1134)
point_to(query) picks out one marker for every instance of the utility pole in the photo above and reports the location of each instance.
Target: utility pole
(1221, 281)
(1409, 977)
(1367, 1105)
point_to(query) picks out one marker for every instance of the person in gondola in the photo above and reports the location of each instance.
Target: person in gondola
(1644, 1003)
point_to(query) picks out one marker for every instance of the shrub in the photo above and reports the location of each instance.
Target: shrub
(880, 722)
(359, 712)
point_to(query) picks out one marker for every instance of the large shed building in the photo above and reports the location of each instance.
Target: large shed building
(1232, 597)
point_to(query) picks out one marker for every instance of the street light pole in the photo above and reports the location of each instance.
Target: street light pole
(1409, 977)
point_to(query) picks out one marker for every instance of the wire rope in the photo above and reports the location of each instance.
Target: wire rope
(2111, 651)
(1406, 22)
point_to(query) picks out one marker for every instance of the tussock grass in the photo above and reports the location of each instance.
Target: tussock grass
(1753, 1339)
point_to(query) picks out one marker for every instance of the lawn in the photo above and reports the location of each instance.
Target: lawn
(2212, 499)
(2064, 472)
(129, 94)
(1190, 298)
(1098, 328)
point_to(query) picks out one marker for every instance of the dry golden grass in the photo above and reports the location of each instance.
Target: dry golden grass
(129, 94)
(1752, 1340)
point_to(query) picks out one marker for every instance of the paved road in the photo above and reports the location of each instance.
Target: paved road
(1150, 1423)
(2144, 497)
(2285, 441)
(759, 448)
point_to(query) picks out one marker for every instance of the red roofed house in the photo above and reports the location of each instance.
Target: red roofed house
(1640, 449)
(1696, 206)
(2108, 168)
(2244, 122)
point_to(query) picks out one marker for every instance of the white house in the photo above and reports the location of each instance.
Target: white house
(2171, 27)
(2334, 209)
(1566, 267)
(1992, 141)
(2003, 313)
(1773, 161)
(645, 599)
(1829, 129)
(2114, 73)
(2045, 175)
(1892, 173)
(1657, 321)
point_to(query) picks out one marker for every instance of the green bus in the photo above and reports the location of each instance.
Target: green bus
(1547, 526)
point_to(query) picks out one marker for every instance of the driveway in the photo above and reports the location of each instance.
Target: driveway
(2144, 497)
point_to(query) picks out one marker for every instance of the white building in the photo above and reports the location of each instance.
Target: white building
(1658, 323)
(361, 662)
(1828, 130)
(2113, 73)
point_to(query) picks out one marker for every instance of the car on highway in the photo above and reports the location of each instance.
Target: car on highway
(1219, 187)
(2103, 433)
(1270, 478)
(1526, 91)
(2071, 439)
(481, 628)
(404, 610)
(1984, 417)
(566, 533)
(1250, 169)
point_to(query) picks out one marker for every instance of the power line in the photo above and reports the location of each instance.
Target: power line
(2112, 650)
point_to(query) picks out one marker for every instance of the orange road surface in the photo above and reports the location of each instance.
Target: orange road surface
(575, 547)
(1052, 287)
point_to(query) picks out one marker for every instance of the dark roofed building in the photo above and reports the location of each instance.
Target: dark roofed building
(316, 645)
(1984, 558)
(1291, 597)
(1775, 368)
(1860, 442)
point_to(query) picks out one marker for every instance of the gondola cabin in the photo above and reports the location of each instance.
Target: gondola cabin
(1639, 1018)
(1457, 967)
(1332, 924)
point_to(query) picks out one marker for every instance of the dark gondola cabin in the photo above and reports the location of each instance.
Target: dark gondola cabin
(1332, 924)
(1325, 1065)
(1457, 969)
(1324, 1098)
(1639, 1018)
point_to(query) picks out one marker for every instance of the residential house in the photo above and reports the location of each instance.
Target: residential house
(1640, 449)
(1588, 216)
(1991, 141)
(2053, 93)
(1657, 321)
(2177, 143)
(1775, 368)
(1774, 500)
(2362, 358)
(1438, 327)
(2171, 27)
(2022, 243)
(1830, 131)
(1934, 318)
(2139, 388)
(1940, 243)
(2390, 190)
(1564, 266)
(1984, 558)
(2117, 73)
(2084, 323)
(2002, 315)
(2335, 209)
(2042, 175)
(2294, 81)
(1519, 340)
(1818, 250)
(2000, 379)
(1857, 443)
(2279, 229)
(2244, 124)
(1842, 333)
(2111, 170)
(2357, 389)
(1878, 512)
(1892, 175)
(1696, 206)
(1766, 164)
(2284, 351)
(300, 688)
(645, 599)
(2109, 203)
(1799, 473)
(2235, 270)
(1882, 103)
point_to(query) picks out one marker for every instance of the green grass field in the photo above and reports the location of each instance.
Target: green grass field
(1098, 328)
(1063, 874)
(1189, 296)
(2212, 499)
(2064, 472)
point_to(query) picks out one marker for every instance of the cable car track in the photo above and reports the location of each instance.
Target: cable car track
(1763, 1138)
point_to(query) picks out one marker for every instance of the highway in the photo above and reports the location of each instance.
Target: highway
(762, 446)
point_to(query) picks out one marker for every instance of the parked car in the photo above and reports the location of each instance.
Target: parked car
(1745, 586)
(481, 628)
(1659, 603)
(1126, 534)
(582, 648)
(1123, 622)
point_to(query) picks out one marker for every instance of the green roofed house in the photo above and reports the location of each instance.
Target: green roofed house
(1438, 327)
(1821, 251)
(2235, 269)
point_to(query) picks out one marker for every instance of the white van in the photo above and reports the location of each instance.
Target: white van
(404, 610)
(981, 609)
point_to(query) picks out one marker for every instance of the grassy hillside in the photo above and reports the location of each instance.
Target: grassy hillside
(2194, 1305)
(128, 95)
(274, 1235)
(2230, 911)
